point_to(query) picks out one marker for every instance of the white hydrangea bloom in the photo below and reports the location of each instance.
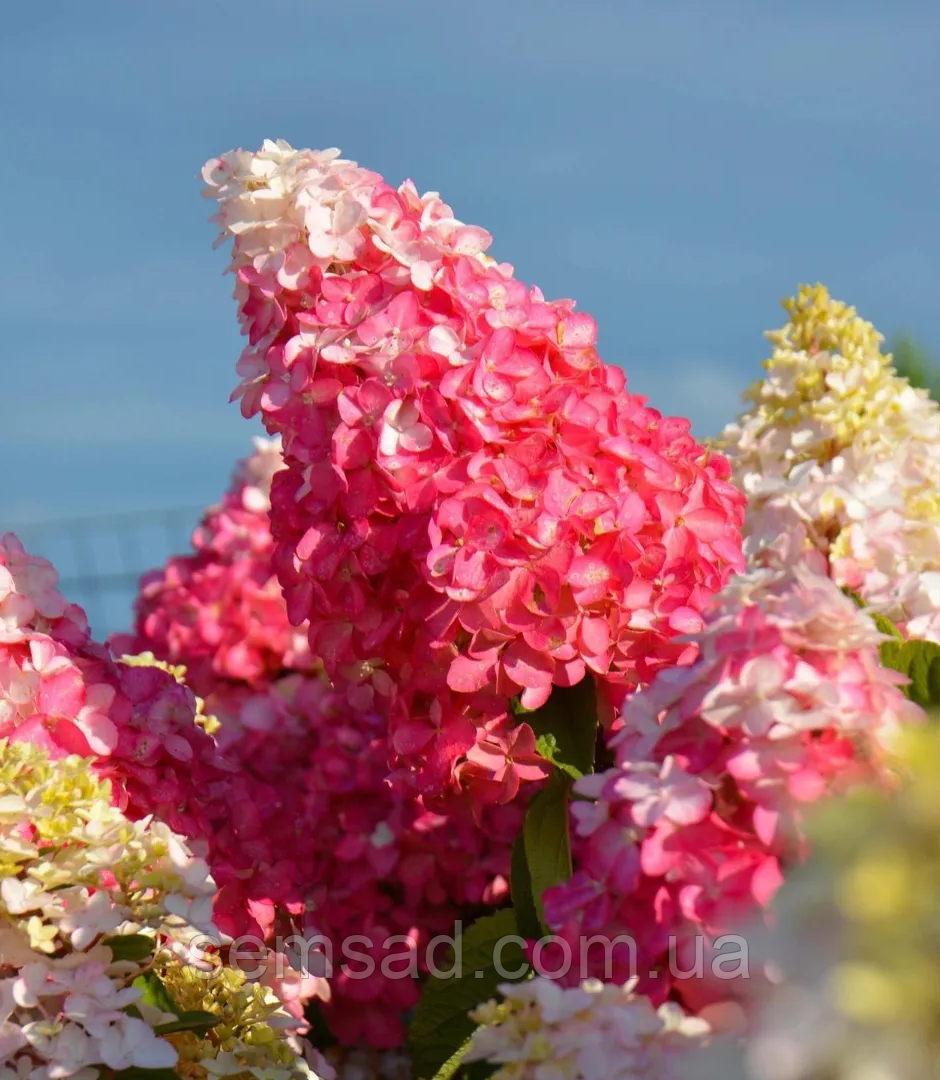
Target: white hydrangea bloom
(595, 1031)
(75, 875)
(838, 449)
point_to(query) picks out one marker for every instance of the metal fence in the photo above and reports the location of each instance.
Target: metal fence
(100, 558)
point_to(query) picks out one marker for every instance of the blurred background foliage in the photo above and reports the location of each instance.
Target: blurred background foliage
(916, 364)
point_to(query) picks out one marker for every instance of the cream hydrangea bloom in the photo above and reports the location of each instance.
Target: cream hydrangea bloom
(837, 447)
(250, 1038)
(595, 1031)
(76, 877)
(92, 903)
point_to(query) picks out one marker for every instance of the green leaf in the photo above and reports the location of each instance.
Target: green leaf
(920, 662)
(924, 672)
(914, 363)
(441, 1026)
(155, 993)
(130, 946)
(566, 725)
(523, 903)
(547, 844)
(933, 686)
(566, 734)
(199, 1022)
(547, 746)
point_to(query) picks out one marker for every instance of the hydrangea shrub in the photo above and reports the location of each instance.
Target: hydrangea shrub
(473, 640)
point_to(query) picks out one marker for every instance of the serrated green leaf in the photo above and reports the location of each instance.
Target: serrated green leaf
(441, 1024)
(924, 672)
(547, 844)
(199, 1022)
(920, 662)
(933, 686)
(130, 946)
(523, 903)
(889, 652)
(155, 993)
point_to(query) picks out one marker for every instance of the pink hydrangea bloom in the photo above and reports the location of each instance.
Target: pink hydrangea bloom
(289, 806)
(134, 721)
(309, 838)
(697, 823)
(305, 831)
(65, 693)
(30, 600)
(219, 610)
(474, 506)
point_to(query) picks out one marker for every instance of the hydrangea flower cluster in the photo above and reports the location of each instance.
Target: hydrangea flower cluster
(594, 1031)
(77, 881)
(836, 444)
(308, 836)
(715, 765)
(305, 832)
(474, 507)
(92, 906)
(856, 941)
(135, 720)
(219, 610)
(29, 598)
(65, 693)
(253, 1036)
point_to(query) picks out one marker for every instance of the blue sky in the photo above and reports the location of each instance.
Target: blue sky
(676, 166)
